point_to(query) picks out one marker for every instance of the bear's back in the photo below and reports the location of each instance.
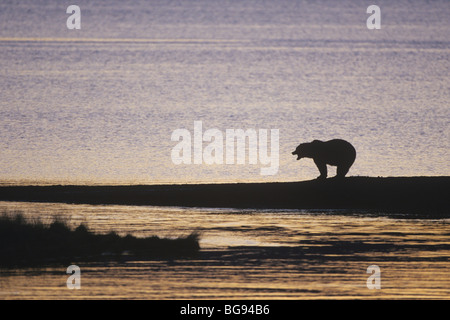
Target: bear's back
(338, 152)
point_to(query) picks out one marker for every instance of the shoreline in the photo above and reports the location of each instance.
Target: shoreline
(413, 194)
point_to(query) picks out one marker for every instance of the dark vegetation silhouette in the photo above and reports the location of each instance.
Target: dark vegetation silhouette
(31, 243)
(335, 152)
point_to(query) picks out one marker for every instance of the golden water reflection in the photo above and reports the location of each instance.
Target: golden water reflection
(249, 254)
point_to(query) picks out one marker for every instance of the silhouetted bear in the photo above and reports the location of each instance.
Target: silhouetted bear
(335, 152)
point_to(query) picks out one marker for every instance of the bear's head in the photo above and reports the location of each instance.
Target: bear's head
(306, 150)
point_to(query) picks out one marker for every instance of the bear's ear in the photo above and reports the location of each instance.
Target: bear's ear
(316, 141)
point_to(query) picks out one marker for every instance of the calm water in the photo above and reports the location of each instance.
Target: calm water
(250, 254)
(98, 105)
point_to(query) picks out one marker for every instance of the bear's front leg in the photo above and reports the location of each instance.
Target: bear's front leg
(322, 166)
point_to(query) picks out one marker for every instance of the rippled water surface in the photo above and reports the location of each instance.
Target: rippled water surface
(250, 254)
(99, 105)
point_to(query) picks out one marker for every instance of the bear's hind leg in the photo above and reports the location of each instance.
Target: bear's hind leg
(342, 171)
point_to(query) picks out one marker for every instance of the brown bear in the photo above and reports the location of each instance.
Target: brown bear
(335, 152)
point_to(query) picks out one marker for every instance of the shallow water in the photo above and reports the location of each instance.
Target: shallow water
(250, 254)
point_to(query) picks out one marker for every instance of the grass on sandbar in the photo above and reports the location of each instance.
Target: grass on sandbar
(30, 243)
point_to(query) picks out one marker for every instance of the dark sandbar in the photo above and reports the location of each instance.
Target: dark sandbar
(427, 195)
